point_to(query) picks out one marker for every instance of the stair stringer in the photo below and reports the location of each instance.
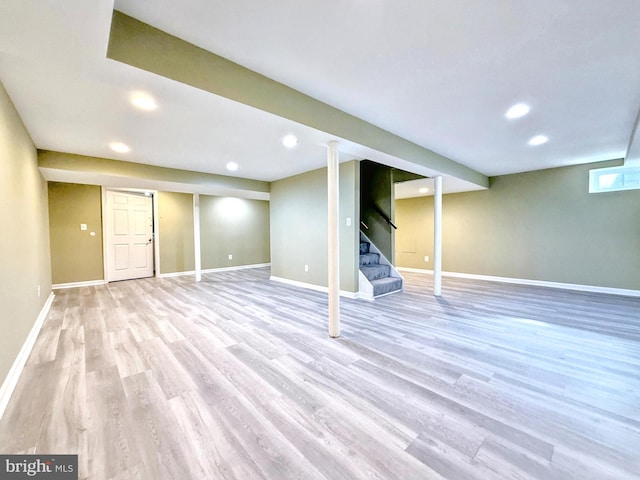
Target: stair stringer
(365, 288)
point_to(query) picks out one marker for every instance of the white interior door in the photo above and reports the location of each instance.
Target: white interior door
(129, 236)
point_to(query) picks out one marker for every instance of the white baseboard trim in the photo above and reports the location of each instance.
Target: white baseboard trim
(311, 286)
(176, 274)
(239, 267)
(215, 270)
(89, 283)
(9, 384)
(536, 283)
(415, 270)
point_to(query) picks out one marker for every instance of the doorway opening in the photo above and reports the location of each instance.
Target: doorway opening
(129, 240)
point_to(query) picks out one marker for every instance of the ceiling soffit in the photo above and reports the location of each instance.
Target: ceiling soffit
(143, 46)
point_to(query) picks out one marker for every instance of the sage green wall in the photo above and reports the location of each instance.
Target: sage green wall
(228, 226)
(349, 236)
(541, 225)
(299, 227)
(414, 237)
(235, 226)
(376, 197)
(24, 235)
(76, 256)
(176, 232)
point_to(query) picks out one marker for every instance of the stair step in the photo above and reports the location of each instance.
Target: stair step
(374, 272)
(369, 259)
(364, 247)
(386, 285)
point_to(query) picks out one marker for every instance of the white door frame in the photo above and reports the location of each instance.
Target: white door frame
(156, 228)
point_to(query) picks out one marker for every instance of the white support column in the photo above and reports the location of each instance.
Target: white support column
(196, 236)
(333, 238)
(437, 236)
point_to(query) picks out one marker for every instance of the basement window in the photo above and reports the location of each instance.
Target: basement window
(614, 179)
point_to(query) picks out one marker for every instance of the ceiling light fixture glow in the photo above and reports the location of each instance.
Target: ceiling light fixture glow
(143, 101)
(290, 141)
(232, 166)
(424, 190)
(119, 147)
(538, 140)
(518, 110)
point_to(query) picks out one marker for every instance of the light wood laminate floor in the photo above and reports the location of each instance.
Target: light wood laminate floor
(235, 377)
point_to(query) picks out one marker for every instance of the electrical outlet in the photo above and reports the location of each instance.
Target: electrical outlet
(38, 290)
(230, 257)
(306, 268)
(83, 226)
(426, 258)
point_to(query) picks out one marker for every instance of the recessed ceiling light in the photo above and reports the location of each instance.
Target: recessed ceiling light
(119, 147)
(290, 141)
(143, 101)
(518, 110)
(424, 190)
(538, 140)
(232, 166)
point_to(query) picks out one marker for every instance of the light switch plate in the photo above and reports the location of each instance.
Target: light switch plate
(83, 226)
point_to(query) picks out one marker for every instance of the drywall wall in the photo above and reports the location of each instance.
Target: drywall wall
(349, 235)
(541, 225)
(24, 236)
(414, 237)
(299, 227)
(233, 226)
(228, 225)
(176, 232)
(376, 204)
(76, 256)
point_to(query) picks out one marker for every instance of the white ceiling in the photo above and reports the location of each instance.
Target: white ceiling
(414, 188)
(438, 73)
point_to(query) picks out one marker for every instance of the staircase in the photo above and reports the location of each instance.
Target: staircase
(381, 276)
